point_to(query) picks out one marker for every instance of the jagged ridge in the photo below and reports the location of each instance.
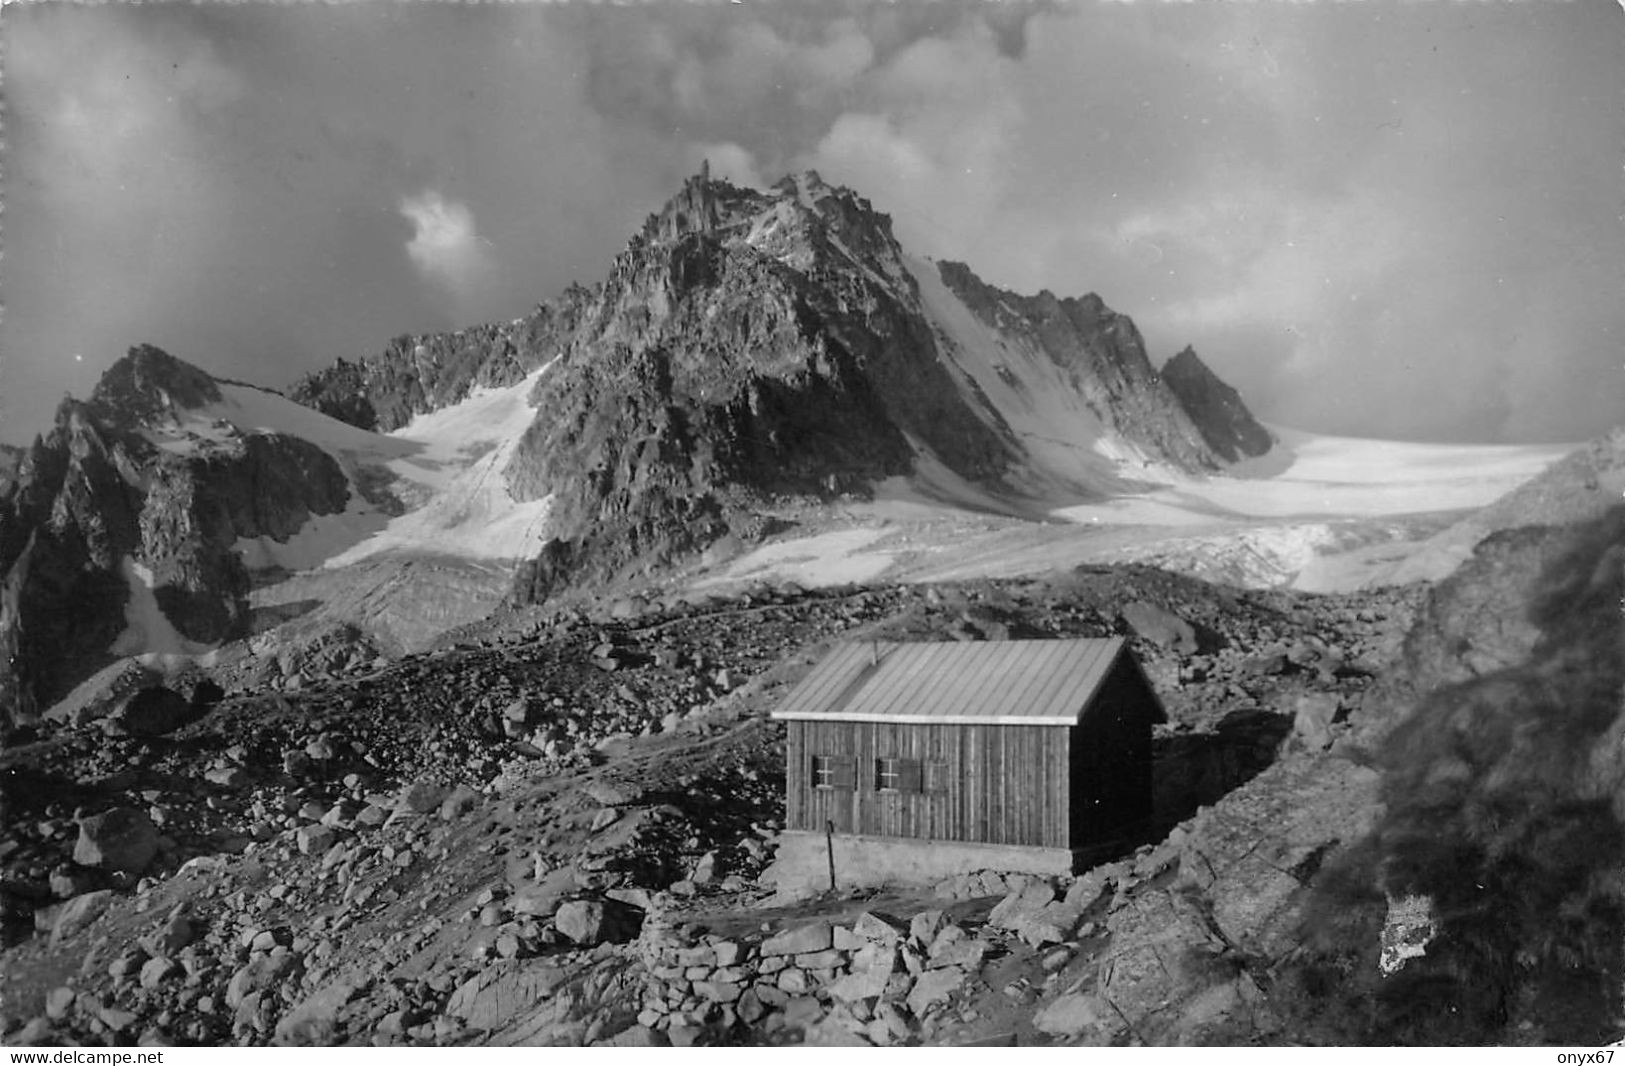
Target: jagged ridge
(96, 495)
(753, 343)
(1216, 408)
(756, 343)
(746, 345)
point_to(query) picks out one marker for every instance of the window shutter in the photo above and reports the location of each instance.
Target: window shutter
(908, 775)
(845, 771)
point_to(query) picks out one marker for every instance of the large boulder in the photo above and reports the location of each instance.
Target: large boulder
(1078, 1015)
(262, 973)
(804, 939)
(313, 1020)
(1312, 720)
(872, 969)
(1021, 905)
(1160, 627)
(422, 797)
(78, 913)
(122, 839)
(103, 693)
(153, 711)
(508, 992)
(595, 921)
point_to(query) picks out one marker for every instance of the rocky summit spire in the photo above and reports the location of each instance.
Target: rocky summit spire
(693, 210)
(1216, 408)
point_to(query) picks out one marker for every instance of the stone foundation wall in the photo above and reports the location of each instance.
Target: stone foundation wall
(801, 866)
(880, 979)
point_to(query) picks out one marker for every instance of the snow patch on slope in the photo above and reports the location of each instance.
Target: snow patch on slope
(146, 630)
(321, 538)
(455, 463)
(1070, 450)
(254, 410)
(838, 557)
(447, 465)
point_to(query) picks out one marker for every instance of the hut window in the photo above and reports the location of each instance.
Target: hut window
(897, 775)
(834, 771)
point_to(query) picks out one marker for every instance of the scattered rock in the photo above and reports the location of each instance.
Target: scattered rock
(1077, 1014)
(1160, 627)
(591, 921)
(422, 797)
(1021, 905)
(153, 712)
(497, 995)
(461, 800)
(260, 974)
(122, 839)
(1312, 722)
(59, 1002)
(933, 987)
(804, 939)
(315, 839)
(157, 970)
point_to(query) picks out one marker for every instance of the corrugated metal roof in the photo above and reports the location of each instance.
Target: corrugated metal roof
(1015, 682)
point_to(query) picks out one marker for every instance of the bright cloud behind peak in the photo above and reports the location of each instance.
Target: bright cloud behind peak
(445, 245)
(1383, 219)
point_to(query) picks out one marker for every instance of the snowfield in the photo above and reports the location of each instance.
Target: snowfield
(1070, 449)
(1317, 512)
(447, 466)
(457, 462)
(1331, 517)
(147, 632)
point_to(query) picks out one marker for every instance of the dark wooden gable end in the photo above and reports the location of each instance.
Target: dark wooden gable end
(1033, 743)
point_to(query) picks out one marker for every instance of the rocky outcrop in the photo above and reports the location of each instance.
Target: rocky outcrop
(147, 386)
(10, 459)
(1216, 408)
(98, 505)
(1441, 868)
(755, 344)
(65, 526)
(1501, 825)
(418, 373)
(744, 344)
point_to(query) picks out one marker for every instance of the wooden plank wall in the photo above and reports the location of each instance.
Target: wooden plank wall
(1111, 759)
(1006, 784)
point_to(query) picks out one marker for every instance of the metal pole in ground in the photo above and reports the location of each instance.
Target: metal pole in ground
(829, 847)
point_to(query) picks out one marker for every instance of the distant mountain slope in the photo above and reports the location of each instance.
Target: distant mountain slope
(108, 516)
(746, 346)
(782, 342)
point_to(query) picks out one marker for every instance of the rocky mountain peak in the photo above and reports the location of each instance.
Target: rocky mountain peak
(1101, 357)
(150, 385)
(1216, 408)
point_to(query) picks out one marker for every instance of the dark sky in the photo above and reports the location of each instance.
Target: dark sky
(1380, 219)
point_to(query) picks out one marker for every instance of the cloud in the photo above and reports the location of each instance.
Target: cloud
(445, 245)
(1406, 225)
(228, 182)
(938, 127)
(1321, 203)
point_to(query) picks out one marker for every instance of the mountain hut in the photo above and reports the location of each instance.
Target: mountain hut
(912, 762)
